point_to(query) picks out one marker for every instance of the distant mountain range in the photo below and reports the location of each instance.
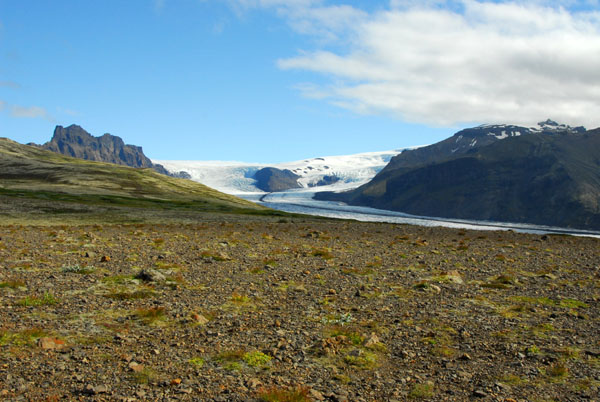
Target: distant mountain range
(74, 141)
(547, 175)
(334, 172)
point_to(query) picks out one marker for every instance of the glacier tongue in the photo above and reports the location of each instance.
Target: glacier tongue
(237, 177)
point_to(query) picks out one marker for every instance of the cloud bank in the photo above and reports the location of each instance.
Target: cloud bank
(30, 112)
(448, 63)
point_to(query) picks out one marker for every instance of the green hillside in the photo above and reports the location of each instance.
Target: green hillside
(34, 182)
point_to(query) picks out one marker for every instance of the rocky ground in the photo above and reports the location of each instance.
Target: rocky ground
(296, 311)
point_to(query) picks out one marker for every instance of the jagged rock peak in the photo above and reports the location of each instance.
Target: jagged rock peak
(552, 126)
(76, 142)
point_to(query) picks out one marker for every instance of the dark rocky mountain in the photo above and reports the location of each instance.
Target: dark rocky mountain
(74, 141)
(549, 175)
(271, 179)
(325, 181)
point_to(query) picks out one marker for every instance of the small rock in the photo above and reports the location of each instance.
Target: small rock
(316, 395)
(176, 381)
(136, 367)
(51, 343)
(93, 390)
(150, 275)
(253, 383)
(90, 254)
(332, 292)
(199, 319)
(465, 356)
(372, 340)
(101, 389)
(105, 258)
(479, 393)
(593, 353)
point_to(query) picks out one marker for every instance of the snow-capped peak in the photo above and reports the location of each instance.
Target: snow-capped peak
(346, 171)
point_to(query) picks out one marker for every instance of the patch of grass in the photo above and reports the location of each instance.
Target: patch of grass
(572, 303)
(257, 271)
(324, 253)
(231, 359)
(137, 294)
(256, 359)
(12, 284)
(557, 372)
(511, 379)
(352, 335)
(167, 266)
(214, 256)
(422, 391)
(231, 355)
(443, 351)
(232, 366)
(239, 299)
(340, 319)
(151, 315)
(270, 262)
(543, 301)
(47, 299)
(358, 271)
(447, 277)
(278, 394)
(78, 269)
(291, 285)
(145, 376)
(197, 362)
(542, 330)
(119, 279)
(361, 359)
(570, 352)
(504, 281)
(377, 262)
(514, 311)
(24, 337)
(532, 351)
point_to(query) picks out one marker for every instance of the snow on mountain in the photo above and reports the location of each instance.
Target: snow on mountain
(237, 177)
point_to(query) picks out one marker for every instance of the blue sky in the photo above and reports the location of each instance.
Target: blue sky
(281, 80)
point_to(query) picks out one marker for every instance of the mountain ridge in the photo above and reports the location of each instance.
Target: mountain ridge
(76, 142)
(33, 173)
(544, 176)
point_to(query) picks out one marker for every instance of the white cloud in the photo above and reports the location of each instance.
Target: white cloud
(69, 112)
(450, 62)
(10, 84)
(31, 112)
(159, 5)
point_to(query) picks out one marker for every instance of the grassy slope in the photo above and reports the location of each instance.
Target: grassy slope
(39, 180)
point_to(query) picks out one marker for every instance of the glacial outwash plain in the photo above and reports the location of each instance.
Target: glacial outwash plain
(124, 284)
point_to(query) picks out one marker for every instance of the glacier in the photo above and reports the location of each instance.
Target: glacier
(236, 178)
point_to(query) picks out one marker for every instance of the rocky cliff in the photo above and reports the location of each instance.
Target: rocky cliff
(74, 141)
